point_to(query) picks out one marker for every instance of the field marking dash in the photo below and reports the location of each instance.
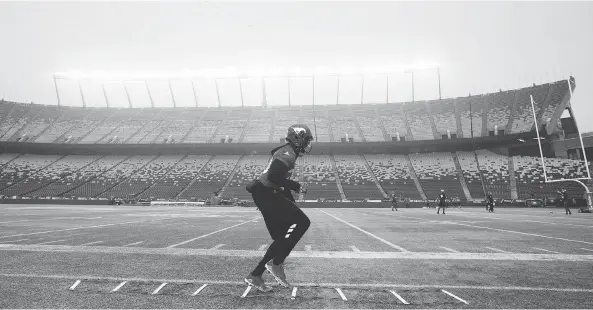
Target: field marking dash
(212, 233)
(355, 249)
(119, 286)
(341, 294)
(95, 242)
(199, 290)
(368, 233)
(294, 291)
(496, 250)
(246, 291)
(18, 240)
(586, 249)
(159, 288)
(262, 247)
(48, 242)
(135, 243)
(400, 298)
(546, 250)
(449, 250)
(216, 247)
(456, 297)
(308, 248)
(75, 285)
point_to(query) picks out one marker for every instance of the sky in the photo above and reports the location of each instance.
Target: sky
(480, 47)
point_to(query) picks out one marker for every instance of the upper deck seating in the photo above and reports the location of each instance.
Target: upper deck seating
(392, 117)
(499, 109)
(523, 118)
(419, 120)
(443, 114)
(476, 104)
(369, 122)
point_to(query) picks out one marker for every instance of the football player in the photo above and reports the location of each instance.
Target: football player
(285, 222)
(442, 201)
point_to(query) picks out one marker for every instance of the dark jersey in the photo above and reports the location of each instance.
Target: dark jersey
(565, 197)
(393, 198)
(442, 198)
(288, 157)
(489, 199)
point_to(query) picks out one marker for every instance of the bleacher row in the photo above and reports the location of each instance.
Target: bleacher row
(423, 120)
(328, 176)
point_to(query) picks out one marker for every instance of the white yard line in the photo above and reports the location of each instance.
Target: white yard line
(17, 240)
(48, 242)
(159, 288)
(456, 297)
(94, 242)
(199, 290)
(246, 291)
(294, 292)
(496, 250)
(81, 227)
(587, 249)
(355, 249)
(75, 285)
(218, 246)
(212, 233)
(119, 286)
(449, 250)
(368, 233)
(326, 285)
(545, 250)
(341, 294)
(399, 297)
(135, 243)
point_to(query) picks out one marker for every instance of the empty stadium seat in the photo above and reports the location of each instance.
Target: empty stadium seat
(436, 171)
(320, 177)
(471, 174)
(212, 177)
(357, 182)
(495, 169)
(177, 179)
(20, 169)
(392, 173)
(443, 114)
(419, 120)
(249, 168)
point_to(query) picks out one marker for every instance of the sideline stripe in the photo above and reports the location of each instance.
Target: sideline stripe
(199, 290)
(450, 294)
(212, 233)
(92, 243)
(218, 246)
(135, 243)
(84, 227)
(586, 249)
(355, 249)
(449, 250)
(294, 291)
(400, 298)
(325, 285)
(304, 254)
(262, 247)
(484, 227)
(246, 291)
(159, 288)
(75, 285)
(495, 249)
(18, 240)
(545, 250)
(368, 233)
(48, 242)
(119, 286)
(341, 294)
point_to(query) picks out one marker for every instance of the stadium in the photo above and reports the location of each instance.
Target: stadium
(140, 200)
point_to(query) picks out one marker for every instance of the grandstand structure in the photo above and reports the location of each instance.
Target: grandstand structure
(191, 175)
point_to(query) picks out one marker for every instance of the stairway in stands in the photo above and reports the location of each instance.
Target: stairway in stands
(415, 177)
(466, 191)
(513, 179)
(339, 184)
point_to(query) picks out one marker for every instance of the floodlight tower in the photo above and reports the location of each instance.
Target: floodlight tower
(420, 68)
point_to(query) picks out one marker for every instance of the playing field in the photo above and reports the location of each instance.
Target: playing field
(56, 256)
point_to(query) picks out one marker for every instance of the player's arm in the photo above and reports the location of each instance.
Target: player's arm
(277, 175)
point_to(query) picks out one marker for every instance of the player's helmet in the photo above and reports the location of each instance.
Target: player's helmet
(300, 137)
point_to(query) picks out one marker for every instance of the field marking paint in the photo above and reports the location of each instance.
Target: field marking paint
(399, 297)
(212, 233)
(586, 249)
(456, 297)
(546, 250)
(341, 294)
(135, 243)
(355, 249)
(246, 291)
(18, 240)
(449, 250)
(119, 286)
(497, 250)
(308, 248)
(304, 254)
(48, 242)
(218, 246)
(75, 285)
(470, 214)
(159, 288)
(490, 228)
(81, 227)
(95, 242)
(325, 285)
(199, 290)
(294, 291)
(262, 247)
(368, 233)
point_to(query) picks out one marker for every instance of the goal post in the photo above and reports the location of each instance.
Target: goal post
(589, 195)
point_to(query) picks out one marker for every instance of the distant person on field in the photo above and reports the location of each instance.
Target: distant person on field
(407, 202)
(489, 202)
(394, 201)
(442, 201)
(566, 200)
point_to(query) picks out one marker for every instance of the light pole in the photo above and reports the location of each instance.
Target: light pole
(413, 70)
